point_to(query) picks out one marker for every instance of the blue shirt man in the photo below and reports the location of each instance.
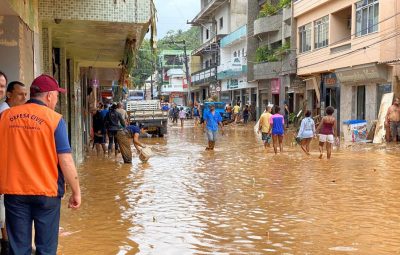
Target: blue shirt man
(211, 120)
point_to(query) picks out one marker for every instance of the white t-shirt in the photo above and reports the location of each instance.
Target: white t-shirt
(3, 106)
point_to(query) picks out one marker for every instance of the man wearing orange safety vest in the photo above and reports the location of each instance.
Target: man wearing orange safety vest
(34, 160)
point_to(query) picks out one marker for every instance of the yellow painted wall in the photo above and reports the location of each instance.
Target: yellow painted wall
(364, 49)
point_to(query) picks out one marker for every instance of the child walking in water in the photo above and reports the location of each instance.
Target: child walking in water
(327, 132)
(277, 127)
(306, 132)
(182, 116)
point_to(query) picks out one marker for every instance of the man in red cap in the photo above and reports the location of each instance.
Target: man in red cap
(36, 158)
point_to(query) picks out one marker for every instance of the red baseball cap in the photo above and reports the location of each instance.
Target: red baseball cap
(45, 83)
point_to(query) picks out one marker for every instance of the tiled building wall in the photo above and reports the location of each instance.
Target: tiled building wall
(63, 82)
(27, 11)
(129, 11)
(46, 48)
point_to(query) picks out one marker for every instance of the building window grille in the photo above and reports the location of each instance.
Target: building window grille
(367, 17)
(207, 34)
(321, 32)
(305, 38)
(221, 23)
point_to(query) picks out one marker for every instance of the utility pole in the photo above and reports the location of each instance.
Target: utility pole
(187, 73)
(151, 86)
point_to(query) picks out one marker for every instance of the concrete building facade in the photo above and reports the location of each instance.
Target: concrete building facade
(217, 18)
(271, 56)
(348, 54)
(78, 42)
(174, 86)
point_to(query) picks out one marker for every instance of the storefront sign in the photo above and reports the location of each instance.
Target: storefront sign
(233, 84)
(176, 95)
(366, 73)
(275, 86)
(330, 80)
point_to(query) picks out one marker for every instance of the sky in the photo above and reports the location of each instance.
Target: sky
(173, 14)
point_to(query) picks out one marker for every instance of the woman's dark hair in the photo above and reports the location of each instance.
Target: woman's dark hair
(308, 113)
(277, 109)
(11, 85)
(330, 110)
(5, 76)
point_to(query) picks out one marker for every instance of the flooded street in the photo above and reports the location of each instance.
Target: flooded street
(239, 199)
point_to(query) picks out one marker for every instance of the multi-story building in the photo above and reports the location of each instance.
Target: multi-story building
(217, 18)
(174, 87)
(80, 43)
(232, 69)
(270, 55)
(348, 53)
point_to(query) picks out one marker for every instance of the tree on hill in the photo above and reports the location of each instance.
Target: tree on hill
(144, 65)
(145, 57)
(191, 36)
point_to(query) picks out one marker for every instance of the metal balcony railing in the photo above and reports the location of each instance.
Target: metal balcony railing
(204, 76)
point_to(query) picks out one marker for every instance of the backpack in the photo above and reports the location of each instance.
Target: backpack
(112, 120)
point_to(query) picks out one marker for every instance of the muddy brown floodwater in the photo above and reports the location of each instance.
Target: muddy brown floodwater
(239, 199)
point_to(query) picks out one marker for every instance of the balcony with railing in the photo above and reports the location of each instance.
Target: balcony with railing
(211, 46)
(270, 70)
(287, 13)
(234, 37)
(204, 76)
(268, 24)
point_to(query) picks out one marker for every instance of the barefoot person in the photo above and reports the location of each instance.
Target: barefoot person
(327, 132)
(182, 116)
(264, 127)
(277, 128)
(212, 120)
(392, 119)
(306, 132)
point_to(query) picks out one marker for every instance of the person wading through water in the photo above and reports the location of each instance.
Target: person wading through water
(327, 132)
(124, 140)
(212, 120)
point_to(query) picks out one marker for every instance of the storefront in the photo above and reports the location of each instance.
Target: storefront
(177, 98)
(238, 90)
(295, 95)
(330, 95)
(362, 88)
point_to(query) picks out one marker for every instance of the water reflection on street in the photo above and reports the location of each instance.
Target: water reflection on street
(239, 199)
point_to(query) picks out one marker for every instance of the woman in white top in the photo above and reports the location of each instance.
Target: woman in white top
(182, 116)
(306, 132)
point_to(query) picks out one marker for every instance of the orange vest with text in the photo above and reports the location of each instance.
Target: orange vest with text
(28, 156)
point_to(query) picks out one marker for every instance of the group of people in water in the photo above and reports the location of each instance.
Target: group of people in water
(272, 128)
